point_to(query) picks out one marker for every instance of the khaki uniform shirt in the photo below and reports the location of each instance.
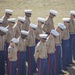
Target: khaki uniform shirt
(38, 31)
(10, 34)
(2, 41)
(50, 45)
(40, 51)
(72, 27)
(58, 40)
(22, 44)
(25, 26)
(5, 21)
(49, 25)
(12, 53)
(31, 39)
(65, 34)
(17, 30)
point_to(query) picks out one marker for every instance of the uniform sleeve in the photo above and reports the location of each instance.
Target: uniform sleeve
(26, 42)
(23, 26)
(45, 26)
(36, 54)
(3, 21)
(17, 31)
(18, 47)
(62, 34)
(28, 39)
(14, 30)
(69, 27)
(48, 41)
(6, 36)
(10, 53)
(36, 32)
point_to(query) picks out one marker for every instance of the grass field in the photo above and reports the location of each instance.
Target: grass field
(40, 9)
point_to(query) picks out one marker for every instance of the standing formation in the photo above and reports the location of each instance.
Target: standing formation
(27, 48)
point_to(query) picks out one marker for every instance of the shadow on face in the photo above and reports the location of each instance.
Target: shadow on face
(11, 24)
(28, 14)
(43, 39)
(52, 16)
(66, 24)
(72, 16)
(23, 36)
(8, 15)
